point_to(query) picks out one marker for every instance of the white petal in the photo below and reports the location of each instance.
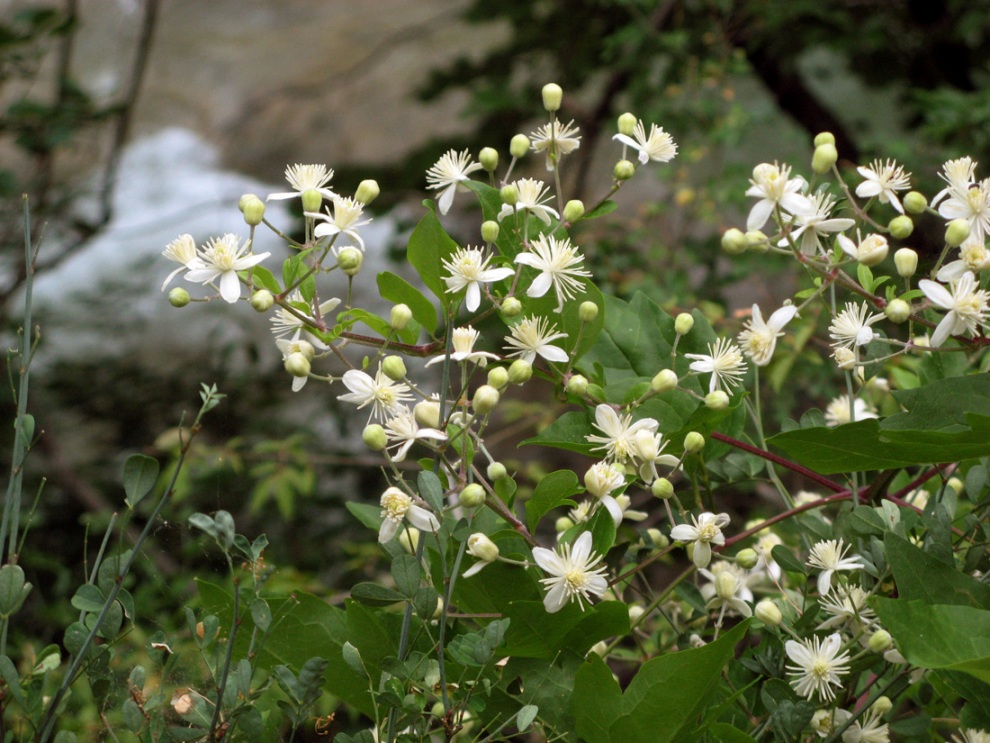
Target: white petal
(548, 560)
(781, 317)
(230, 286)
(472, 298)
(944, 330)
(684, 533)
(540, 285)
(422, 519)
(759, 214)
(388, 530)
(581, 548)
(936, 293)
(553, 353)
(824, 582)
(556, 598)
(447, 198)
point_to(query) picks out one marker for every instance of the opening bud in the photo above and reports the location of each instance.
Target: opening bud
(664, 381)
(768, 613)
(577, 385)
(552, 96)
(305, 348)
(901, 227)
(312, 200)
(694, 442)
(734, 241)
(897, 310)
(623, 170)
(409, 539)
(400, 316)
(906, 262)
(725, 585)
(511, 307)
(872, 250)
(262, 300)
(824, 158)
(880, 641)
(496, 471)
(956, 232)
(824, 138)
(297, 364)
(480, 546)
(659, 539)
(662, 488)
(845, 358)
(882, 705)
(956, 484)
(716, 400)
(367, 191)
(489, 231)
(178, 297)
(509, 195)
(573, 210)
(588, 311)
(757, 241)
(520, 371)
(394, 368)
(350, 259)
(374, 437)
(626, 124)
(519, 146)
(472, 496)
(747, 558)
(252, 208)
(915, 202)
(427, 413)
(485, 399)
(498, 377)
(562, 524)
(683, 323)
(488, 157)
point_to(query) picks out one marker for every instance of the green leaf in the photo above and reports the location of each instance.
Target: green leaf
(261, 614)
(552, 491)
(535, 633)
(89, 598)
(786, 559)
(396, 289)
(526, 716)
(140, 475)
(921, 577)
(267, 280)
(428, 245)
(376, 323)
(8, 672)
(606, 207)
(12, 589)
(727, 734)
(26, 429)
(375, 594)
(407, 574)
(430, 490)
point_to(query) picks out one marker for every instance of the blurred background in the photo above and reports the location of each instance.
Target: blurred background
(128, 122)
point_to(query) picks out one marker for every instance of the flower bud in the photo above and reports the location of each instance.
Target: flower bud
(520, 371)
(623, 170)
(350, 259)
(956, 232)
(573, 211)
(768, 613)
(600, 649)
(906, 262)
(588, 311)
(482, 547)
(485, 399)
(897, 310)
(427, 413)
(297, 364)
(757, 241)
(915, 202)
(664, 381)
(747, 558)
(824, 138)
(694, 442)
(716, 400)
(824, 158)
(394, 368)
(845, 358)
(901, 227)
(562, 524)
(367, 191)
(509, 194)
(312, 200)
(374, 437)
(496, 471)
(252, 208)
(577, 385)
(956, 484)
(626, 124)
(472, 496)
(696, 641)
(489, 231)
(262, 300)
(880, 641)
(498, 377)
(178, 297)
(519, 146)
(409, 539)
(872, 250)
(305, 348)
(552, 96)
(511, 307)
(400, 316)
(683, 323)
(662, 488)
(488, 157)
(659, 539)
(725, 585)
(734, 241)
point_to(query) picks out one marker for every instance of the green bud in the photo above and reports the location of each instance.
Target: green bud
(573, 211)
(511, 307)
(757, 241)
(485, 399)
(906, 262)
(659, 539)
(901, 227)
(562, 524)
(262, 300)
(520, 371)
(627, 124)
(509, 195)
(824, 158)
(768, 612)
(716, 400)
(662, 488)
(489, 231)
(496, 471)
(635, 613)
(306, 349)
(882, 705)
(488, 157)
(312, 200)
(178, 297)
(577, 385)
(252, 208)
(897, 310)
(734, 241)
(367, 191)
(472, 496)
(956, 232)
(623, 170)
(427, 413)
(664, 381)
(694, 442)
(880, 641)
(747, 558)
(683, 323)
(483, 548)
(552, 96)
(400, 316)
(350, 259)
(588, 311)
(297, 364)
(725, 585)
(374, 437)
(956, 484)
(915, 202)
(394, 368)
(824, 138)
(519, 146)
(498, 377)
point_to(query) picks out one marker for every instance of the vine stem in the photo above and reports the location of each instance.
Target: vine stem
(788, 464)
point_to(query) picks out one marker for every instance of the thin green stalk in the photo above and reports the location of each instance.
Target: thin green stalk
(225, 673)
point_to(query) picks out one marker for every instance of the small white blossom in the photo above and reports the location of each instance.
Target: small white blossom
(759, 339)
(403, 430)
(837, 412)
(852, 327)
(468, 269)
(847, 607)
(648, 448)
(973, 256)
(554, 138)
(532, 198)
(774, 187)
(303, 178)
(973, 205)
(619, 441)
(725, 592)
(971, 736)
(224, 257)
(384, 395)
(344, 220)
(817, 666)
(869, 728)
(557, 261)
(531, 337)
(396, 507)
(829, 557)
(884, 180)
(571, 573)
(870, 251)
(958, 176)
(463, 340)
(706, 531)
(965, 302)
(817, 223)
(289, 347)
(450, 173)
(724, 361)
(658, 146)
(183, 251)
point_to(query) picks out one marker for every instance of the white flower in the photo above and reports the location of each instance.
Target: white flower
(555, 139)
(867, 729)
(706, 530)
(384, 395)
(182, 250)
(958, 175)
(816, 224)
(971, 736)
(884, 180)
(463, 340)
(532, 198)
(295, 345)
(557, 261)
(659, 146)
(717, 568)
(342, 221)
(284, 322)
(303, 178)
(817, 666)
(224, 257)
(973, 205)
(402, 431)
(829, 556)
(870, 251)
(648, 447)
(724, 361)
(397, 506)
(837, 412)
(531, 337)
(759, 339)
(480, 546)
(722, 593)
(851, 327)
(449, 173)
(773, 186)
(468, 268)
(600, 481)
(571, 574)
(973, 256)
(619, 441)
(966, 305)
(846, 606)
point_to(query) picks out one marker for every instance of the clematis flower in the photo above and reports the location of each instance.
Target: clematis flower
(958, 176)
(649, 446)
(224, 257)
(555, 139)
(402, 431)
(344, 220)
(884, 180)
(182, 250)
(817, 666)
(383, 394)
(973, 205)
(706, 530)
(829, 556)
(532, 198)
(851, 327)
(837, 412)
(759, 339)
(816, 224)
(463, 340)
(973, 256)
(398, 507)
(303, 178)
(573, 574)
(450, 173)
(724, 361)
(295, 345)
(619, 441)
(847, 607)
(468, 268)
(531, 337)
(774, 187)
(284, 322)
(557, 261)
(658, 147)
(966, 305)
